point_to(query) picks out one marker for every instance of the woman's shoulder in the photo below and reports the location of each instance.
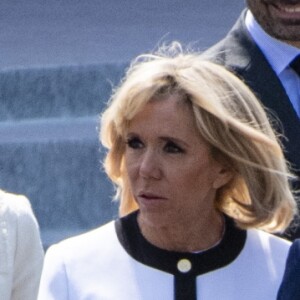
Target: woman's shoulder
(267, 253)
(14, 206)
(269, 244)
(18, 220)
(265, 237)
(100, 232)
(13, 202)
(89, 243)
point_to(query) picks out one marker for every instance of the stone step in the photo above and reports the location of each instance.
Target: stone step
(56, 163)
(57, 91)
(49, 149)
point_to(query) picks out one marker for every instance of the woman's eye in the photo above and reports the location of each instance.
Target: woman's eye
(134, 143)
(171, 147)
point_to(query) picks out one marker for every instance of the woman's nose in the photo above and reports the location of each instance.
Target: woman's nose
(150, 165)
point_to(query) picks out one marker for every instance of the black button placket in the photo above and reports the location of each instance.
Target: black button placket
(185, 281)
(185, 267)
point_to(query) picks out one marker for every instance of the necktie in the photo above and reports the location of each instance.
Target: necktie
(295, 65)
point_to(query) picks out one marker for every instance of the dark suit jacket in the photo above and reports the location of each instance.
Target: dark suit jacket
(239, 53)
(290, 286)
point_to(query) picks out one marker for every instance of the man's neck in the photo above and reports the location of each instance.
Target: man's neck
(253, 25)
(293, 43)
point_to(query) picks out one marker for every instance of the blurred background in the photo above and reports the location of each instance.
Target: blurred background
(59, 60)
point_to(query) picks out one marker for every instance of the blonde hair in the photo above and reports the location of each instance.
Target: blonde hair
(228, 116)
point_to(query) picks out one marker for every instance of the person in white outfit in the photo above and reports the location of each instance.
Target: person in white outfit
(21, 251)
(202, 182)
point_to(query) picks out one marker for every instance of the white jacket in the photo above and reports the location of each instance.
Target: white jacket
(21, 252)
(116, 262)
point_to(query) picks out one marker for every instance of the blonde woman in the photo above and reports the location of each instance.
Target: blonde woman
(201, 180)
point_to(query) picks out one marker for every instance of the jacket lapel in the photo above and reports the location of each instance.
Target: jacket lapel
(238, 52)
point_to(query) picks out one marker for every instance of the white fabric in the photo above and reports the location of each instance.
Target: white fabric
(95, 266)
(21, 252)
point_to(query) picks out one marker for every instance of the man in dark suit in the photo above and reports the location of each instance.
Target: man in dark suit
(260, 49)
(290, 287)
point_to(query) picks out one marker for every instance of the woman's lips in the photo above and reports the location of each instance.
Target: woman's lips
(150, 199)
(150, 196)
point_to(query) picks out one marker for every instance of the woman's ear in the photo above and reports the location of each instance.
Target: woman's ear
(223, 176)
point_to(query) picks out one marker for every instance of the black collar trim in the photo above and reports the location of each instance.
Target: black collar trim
(140, 249)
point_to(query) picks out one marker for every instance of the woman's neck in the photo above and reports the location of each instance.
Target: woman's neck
(193, 237)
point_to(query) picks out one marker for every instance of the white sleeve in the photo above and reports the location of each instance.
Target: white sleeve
(28, 252)
(53, 285)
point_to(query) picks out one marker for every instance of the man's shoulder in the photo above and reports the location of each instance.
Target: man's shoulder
(295, 249)
(239, 53)
(290, 288)
(237, 50)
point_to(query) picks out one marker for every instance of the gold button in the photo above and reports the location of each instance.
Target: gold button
(184, 265)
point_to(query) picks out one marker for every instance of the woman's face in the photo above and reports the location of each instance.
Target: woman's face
(171, 172)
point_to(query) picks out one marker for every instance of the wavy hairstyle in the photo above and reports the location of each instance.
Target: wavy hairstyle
(228, 116)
